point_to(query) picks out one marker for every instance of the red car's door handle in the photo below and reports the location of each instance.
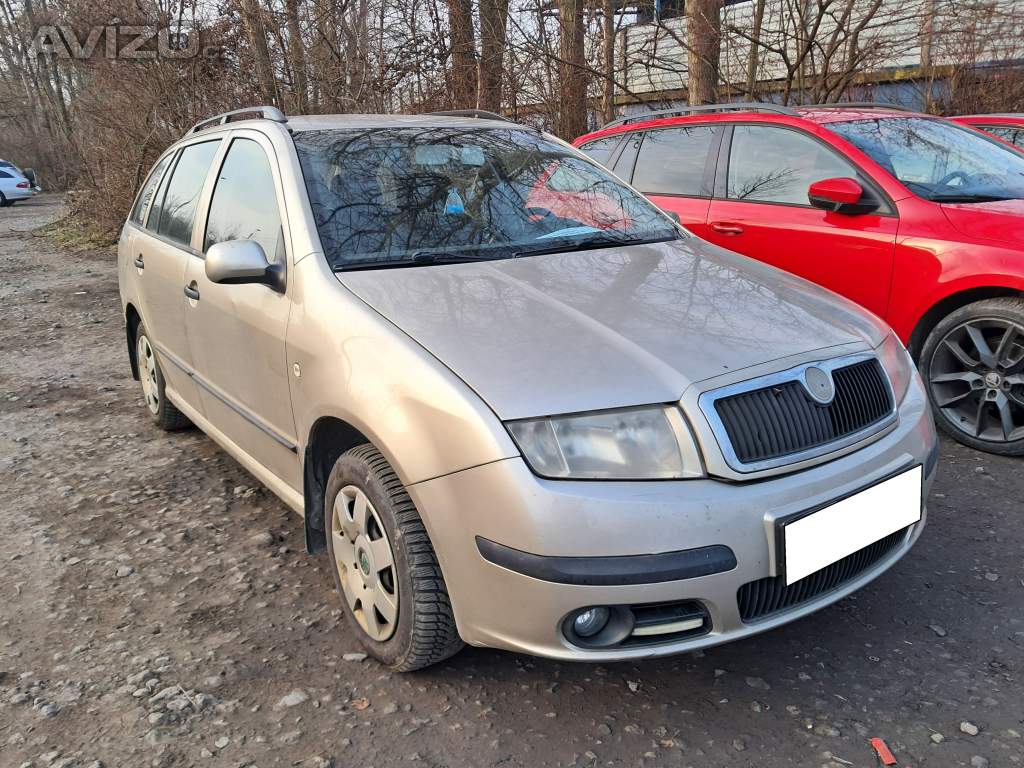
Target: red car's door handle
(726, 228)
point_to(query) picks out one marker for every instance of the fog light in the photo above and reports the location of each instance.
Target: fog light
(591, 621)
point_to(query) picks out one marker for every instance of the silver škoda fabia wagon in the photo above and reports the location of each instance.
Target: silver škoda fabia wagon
(517, 404)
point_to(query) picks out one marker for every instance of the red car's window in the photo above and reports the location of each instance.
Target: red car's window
(777, 165)
(672, 161)
(938, 160)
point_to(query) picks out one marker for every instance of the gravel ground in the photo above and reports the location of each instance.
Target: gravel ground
(157, 608)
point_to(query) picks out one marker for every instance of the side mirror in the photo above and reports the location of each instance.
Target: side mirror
(840, 195)
(238, 262)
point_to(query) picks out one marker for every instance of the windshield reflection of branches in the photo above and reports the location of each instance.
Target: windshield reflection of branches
(390, 193)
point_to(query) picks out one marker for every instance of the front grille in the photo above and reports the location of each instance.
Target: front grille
(764, 597)
(782, 419)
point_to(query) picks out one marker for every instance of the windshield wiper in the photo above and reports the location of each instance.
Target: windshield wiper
(965, 198)
(589, 243)
(418, 259)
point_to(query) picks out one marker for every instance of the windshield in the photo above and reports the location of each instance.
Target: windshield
(405, 196)
(939, 161)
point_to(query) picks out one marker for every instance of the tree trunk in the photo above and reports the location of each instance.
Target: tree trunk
(704, 43)
(754, 55)
(252, 18)
(572, 76)
(297, 54)
(608, 60)
(463, 46)
(493, 32)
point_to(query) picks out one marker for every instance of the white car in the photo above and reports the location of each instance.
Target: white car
(13, 187)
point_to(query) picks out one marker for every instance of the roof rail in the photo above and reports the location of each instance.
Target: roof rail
(479, 114)
(705, 108)
(859, 105)
(264, 113)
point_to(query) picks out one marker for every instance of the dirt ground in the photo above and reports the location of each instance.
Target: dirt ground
(157, 608)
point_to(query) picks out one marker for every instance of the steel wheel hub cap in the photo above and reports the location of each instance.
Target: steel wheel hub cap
(365, 563)
(147, 374)
(976, 376)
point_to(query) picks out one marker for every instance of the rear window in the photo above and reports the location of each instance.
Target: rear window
(5, 175)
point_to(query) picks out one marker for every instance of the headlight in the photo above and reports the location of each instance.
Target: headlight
(897, 363)
(651, 443)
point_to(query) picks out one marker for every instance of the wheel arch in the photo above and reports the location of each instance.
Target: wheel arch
(951, 303)
(329, 437)
(132, 318)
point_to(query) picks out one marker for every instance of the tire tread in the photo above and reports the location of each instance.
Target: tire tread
(435, 636)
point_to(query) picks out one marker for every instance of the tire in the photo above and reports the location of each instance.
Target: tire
(420, 628)
(3, 201)
(973, 367)
(165, 415)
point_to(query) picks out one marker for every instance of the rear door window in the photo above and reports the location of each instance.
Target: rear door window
(777, 165)
(148, 189)
(244, 204)
(672, 161)
(177, 210)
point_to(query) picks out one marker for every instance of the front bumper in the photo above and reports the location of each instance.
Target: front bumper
(504, 503)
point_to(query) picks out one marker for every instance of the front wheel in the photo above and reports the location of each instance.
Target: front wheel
(392, 589)
(973, 365)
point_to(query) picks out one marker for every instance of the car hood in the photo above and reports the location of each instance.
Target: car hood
(1001, 220)
(608, 328)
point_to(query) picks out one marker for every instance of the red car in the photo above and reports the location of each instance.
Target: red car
(1009, 128)
(916, 218)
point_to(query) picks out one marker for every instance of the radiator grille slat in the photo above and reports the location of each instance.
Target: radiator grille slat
(764, 597)
(780, 420)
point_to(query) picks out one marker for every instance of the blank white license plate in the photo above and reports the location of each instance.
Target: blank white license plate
(819, 539)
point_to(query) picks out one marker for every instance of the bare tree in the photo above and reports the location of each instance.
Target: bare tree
(463, 48)
(572, 75)
(252, 18)
(493, 33)
(704, 47)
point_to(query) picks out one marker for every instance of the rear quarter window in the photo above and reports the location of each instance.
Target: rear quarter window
(602, 150)
(148, 190)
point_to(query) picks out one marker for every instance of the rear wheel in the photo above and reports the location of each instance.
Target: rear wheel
(163, 411)
(3, 201)
(973, 364)
(392, 589)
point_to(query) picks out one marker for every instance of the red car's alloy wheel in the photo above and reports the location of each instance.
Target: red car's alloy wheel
(976, 376)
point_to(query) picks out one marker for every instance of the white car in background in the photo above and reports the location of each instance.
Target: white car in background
(13, 186)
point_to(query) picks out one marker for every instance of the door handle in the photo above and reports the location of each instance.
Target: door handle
(192, 291)
(139, 262)
(726, 228)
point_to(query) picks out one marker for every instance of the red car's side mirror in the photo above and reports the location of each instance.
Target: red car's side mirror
(839, 195)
